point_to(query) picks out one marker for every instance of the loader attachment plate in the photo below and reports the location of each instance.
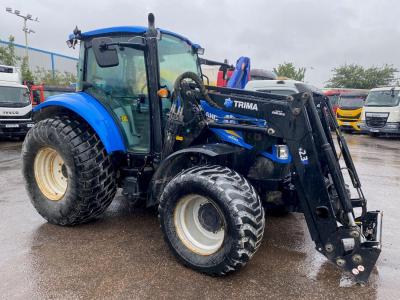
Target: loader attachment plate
(365, 246)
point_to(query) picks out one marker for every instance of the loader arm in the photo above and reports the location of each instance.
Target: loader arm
(351, 241)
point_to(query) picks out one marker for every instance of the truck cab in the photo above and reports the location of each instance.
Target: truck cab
(15, 105)
(349, 107)
(381, 112)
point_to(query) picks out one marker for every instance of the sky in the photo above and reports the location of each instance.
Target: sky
(317, 35)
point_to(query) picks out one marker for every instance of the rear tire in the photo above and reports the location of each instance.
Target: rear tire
(212, 219)
(69, 176)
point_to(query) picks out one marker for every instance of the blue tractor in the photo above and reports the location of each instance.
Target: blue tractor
(211, 159)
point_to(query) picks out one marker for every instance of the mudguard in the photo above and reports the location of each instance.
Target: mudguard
(172, 165)
(93, 112)
(207, 149)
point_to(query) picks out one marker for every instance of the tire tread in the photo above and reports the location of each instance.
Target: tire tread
(249, 217)
(94, 170)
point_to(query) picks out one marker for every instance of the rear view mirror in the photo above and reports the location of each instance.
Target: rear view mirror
(105, 53)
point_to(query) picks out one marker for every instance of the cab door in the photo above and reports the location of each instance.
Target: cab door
(123, 89)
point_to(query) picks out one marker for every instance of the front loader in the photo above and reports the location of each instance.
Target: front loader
(212, 159)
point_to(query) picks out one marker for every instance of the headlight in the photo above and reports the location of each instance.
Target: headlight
(282, 152)
(392, 125)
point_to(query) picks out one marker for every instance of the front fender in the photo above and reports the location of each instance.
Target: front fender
(175, 163)
(93, 112)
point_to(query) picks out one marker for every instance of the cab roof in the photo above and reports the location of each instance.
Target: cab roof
(128, 29)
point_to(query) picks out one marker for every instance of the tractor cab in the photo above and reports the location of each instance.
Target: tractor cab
(129, 70)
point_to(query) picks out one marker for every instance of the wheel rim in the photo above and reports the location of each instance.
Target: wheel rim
(200, 225)
(51, 173)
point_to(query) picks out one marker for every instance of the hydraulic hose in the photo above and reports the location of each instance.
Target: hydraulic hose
(200, 85)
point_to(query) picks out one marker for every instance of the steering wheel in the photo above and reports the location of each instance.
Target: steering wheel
(190, 85)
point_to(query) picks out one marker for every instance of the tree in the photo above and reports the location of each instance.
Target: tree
(7, 54)
(26, 73)
(358, 77)
(289, 70)
(46, 77)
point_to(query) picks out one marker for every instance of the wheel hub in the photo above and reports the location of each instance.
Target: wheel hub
(209, 218)
(199, 224)
(51, 173)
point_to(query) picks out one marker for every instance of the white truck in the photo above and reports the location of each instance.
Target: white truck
(381, 112)
(15, 104)
(283, 87)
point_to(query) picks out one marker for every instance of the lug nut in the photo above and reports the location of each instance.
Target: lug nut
(329, 247)
(271, 131)
(340, 262)
(356, 258)
(289, 98)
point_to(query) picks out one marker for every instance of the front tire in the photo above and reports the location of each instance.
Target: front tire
(212, 219)
(68, 174)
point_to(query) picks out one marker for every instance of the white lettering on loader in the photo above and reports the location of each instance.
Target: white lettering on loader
(246, 105)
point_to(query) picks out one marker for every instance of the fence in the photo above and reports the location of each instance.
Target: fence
(45, 59)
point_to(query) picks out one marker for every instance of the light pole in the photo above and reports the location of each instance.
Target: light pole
(25, 29)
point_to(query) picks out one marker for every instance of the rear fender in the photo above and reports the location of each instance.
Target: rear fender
(92, 111)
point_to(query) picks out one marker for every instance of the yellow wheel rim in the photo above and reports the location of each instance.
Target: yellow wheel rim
(50, 173)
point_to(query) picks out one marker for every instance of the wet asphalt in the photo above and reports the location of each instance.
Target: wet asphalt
(123, 255)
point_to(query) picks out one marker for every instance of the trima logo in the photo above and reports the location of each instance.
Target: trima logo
(246, 105)
(228, 103)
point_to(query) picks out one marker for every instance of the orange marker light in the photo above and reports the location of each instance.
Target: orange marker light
(163, 93)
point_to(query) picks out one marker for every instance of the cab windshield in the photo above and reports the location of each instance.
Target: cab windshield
(13, 96)
(383, 98)
(351, 102)
(176, 56)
